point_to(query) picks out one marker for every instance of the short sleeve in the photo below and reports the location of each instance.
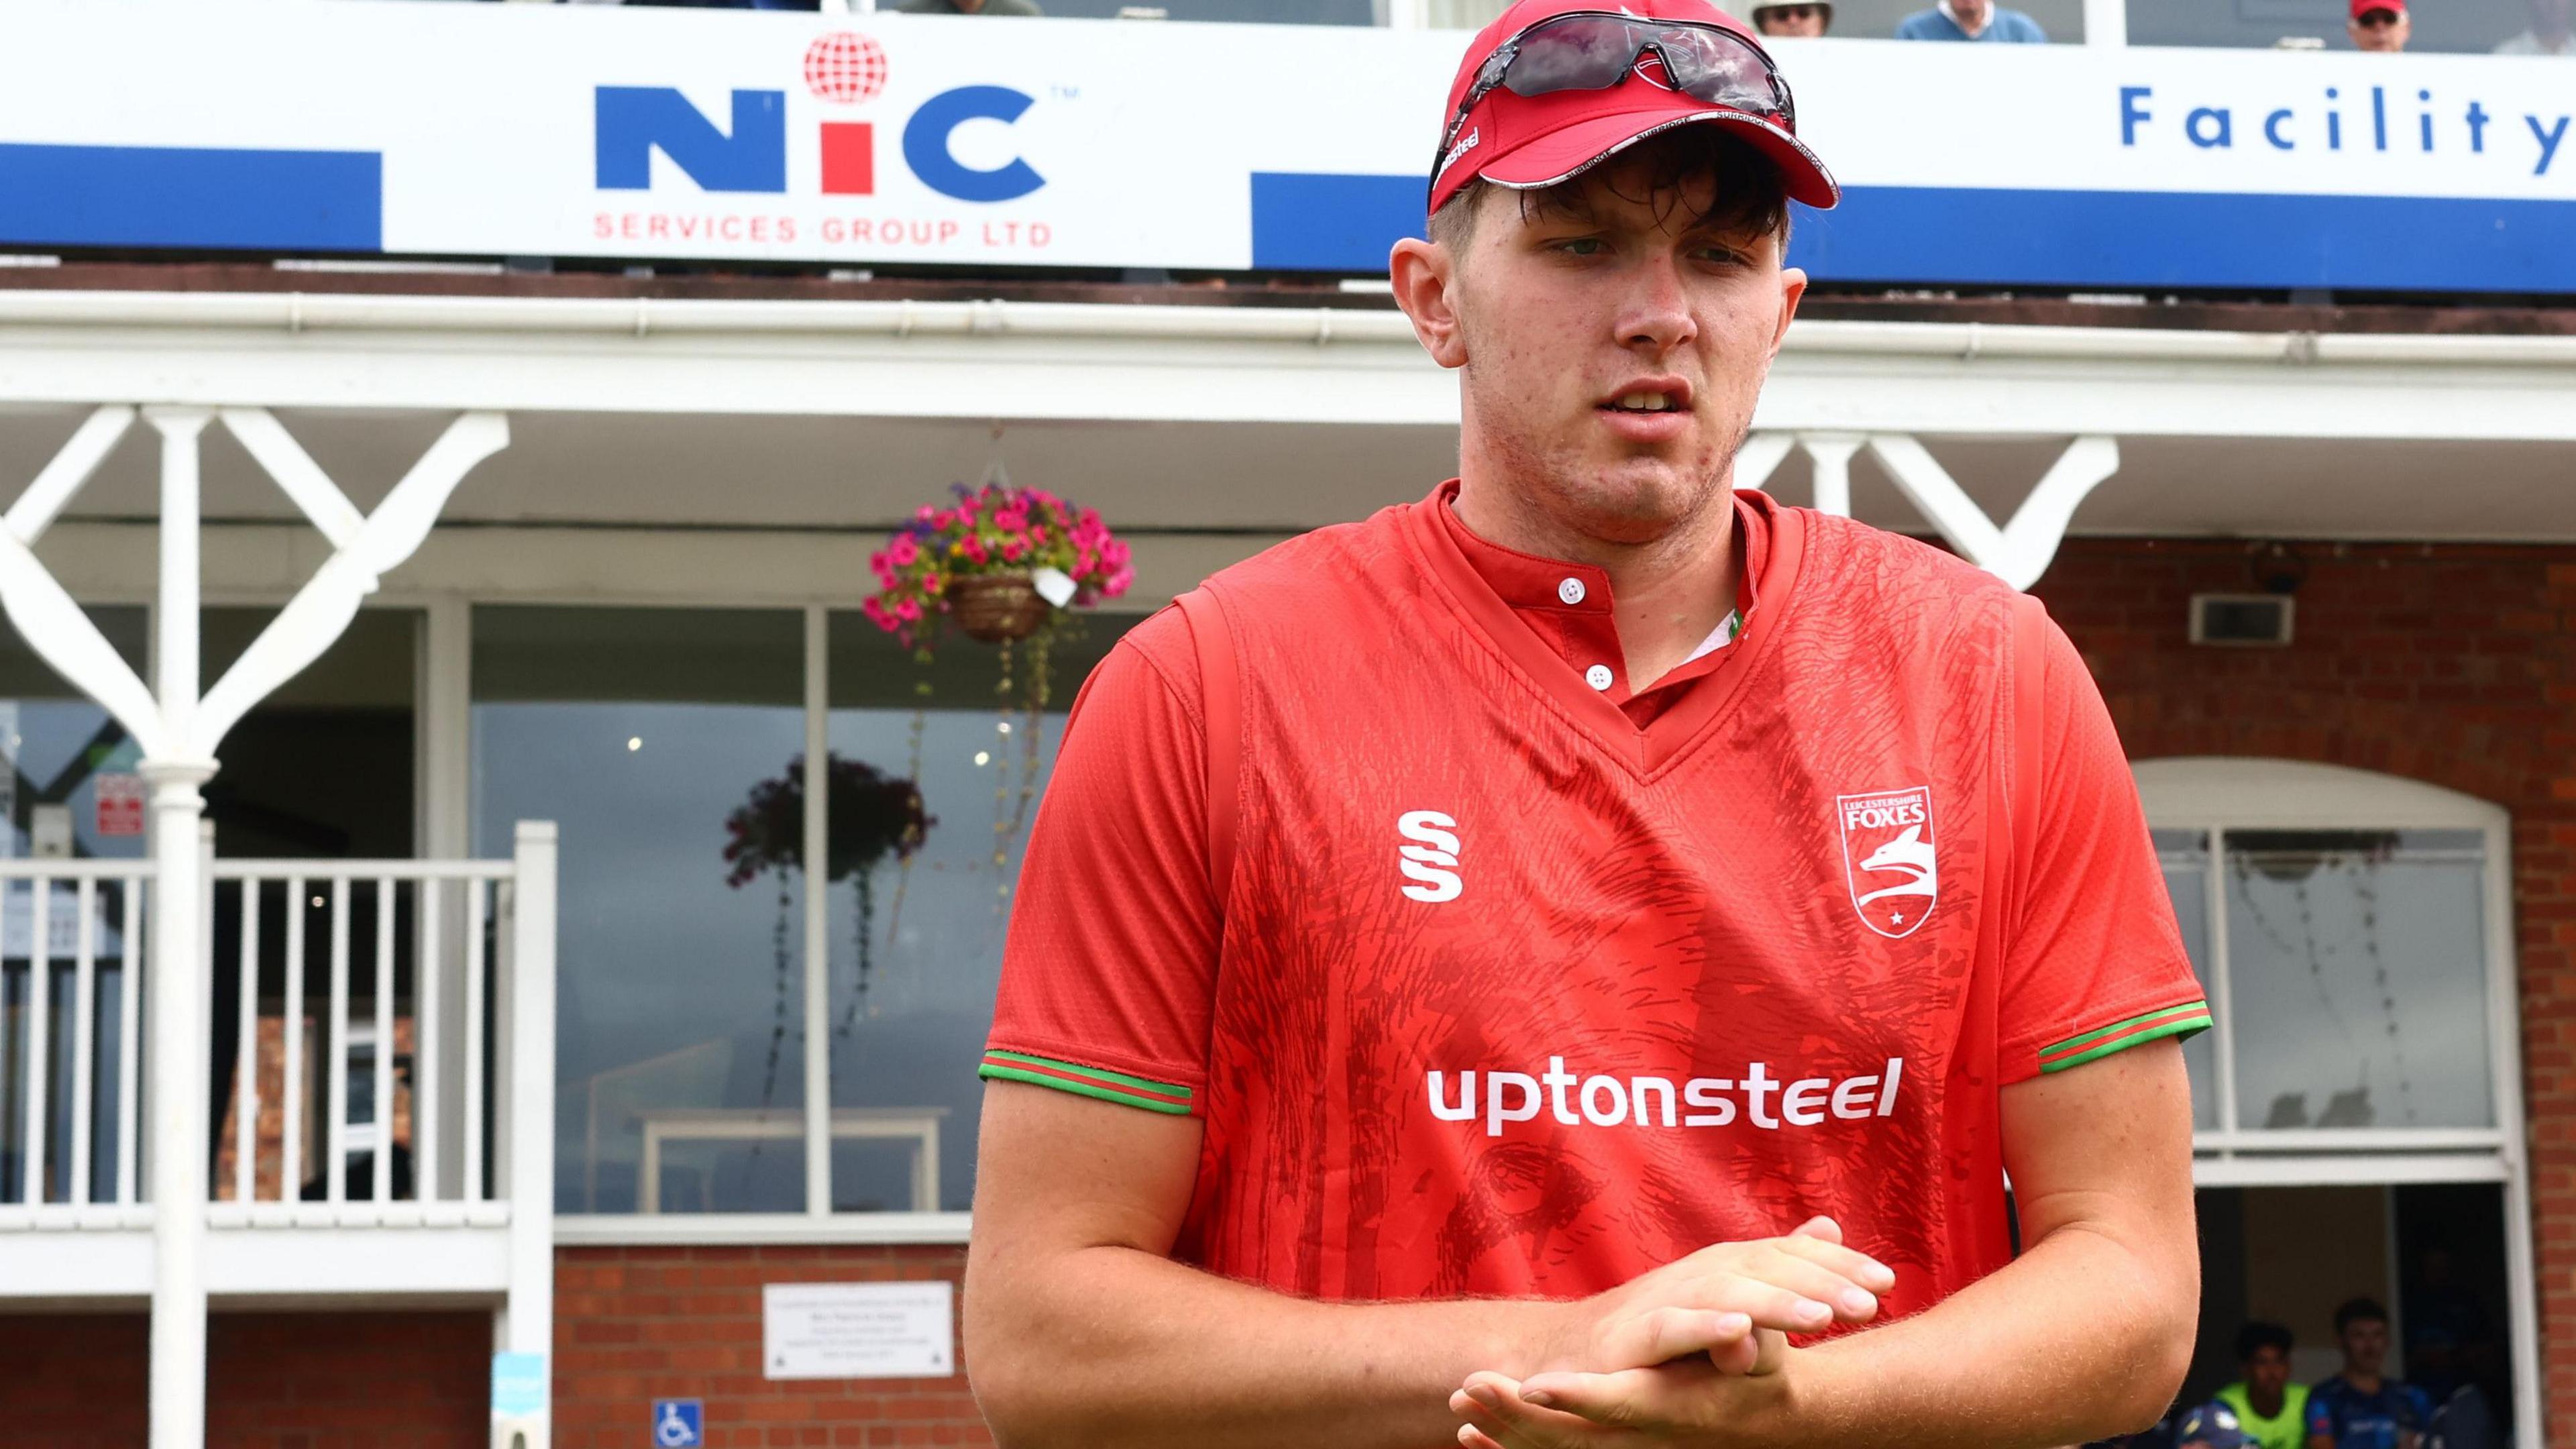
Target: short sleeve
(2095, 963)
(1110, 961)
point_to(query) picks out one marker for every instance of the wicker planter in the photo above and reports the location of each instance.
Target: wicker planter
(996, 607)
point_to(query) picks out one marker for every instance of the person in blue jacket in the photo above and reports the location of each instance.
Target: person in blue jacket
(1971, 20)
(2362, 1408)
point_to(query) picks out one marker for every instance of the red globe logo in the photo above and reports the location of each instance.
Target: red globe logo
(845, 67)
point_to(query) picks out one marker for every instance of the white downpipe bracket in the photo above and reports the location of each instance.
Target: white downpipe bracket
(2020, 551)
(177, 732)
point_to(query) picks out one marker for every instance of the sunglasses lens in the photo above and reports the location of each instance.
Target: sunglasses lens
(1593, 52)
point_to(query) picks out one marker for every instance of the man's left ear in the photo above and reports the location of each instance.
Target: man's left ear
(1419, 272)
(1793, 286)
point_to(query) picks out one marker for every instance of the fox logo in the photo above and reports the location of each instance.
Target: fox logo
(1889, 865)
(1434, 861)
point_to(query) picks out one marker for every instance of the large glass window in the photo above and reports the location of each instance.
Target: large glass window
(669, 746)
(2458, 26)
(2355, 987)
(679, 1043)
(909, 1017)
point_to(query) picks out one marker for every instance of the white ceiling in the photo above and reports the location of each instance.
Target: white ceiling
(856, 472)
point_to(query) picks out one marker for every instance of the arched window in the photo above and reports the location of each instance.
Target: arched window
(2354, 933)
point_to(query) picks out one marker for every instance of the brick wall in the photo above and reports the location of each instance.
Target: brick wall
(2453, 665)
(635, 1324)
(273, 1380)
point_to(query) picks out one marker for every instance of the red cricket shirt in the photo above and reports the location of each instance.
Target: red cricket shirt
(1517, 988)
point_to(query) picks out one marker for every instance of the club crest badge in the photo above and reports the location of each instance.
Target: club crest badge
(1888, 860)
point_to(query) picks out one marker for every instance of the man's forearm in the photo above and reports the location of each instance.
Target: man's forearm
(2081, 1338)
(1115, 1346)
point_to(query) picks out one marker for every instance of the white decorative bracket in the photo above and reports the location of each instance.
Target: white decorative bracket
(2018, 553)
(173, 723)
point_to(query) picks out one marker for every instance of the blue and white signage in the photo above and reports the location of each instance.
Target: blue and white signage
(429, 129)
(679, 1424)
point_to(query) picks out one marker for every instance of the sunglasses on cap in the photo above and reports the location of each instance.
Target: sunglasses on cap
(1591, 50)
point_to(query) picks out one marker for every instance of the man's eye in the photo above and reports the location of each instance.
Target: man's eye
(1721, 256)
(1580, 246)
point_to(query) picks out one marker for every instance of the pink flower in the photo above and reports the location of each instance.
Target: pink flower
(1011, 550)
(1117, 583)
(1083, 559)
(1011, 520)
(975, 549)
(877, 614)
(926, 513)
(908, 611)
(904, 551)
(930, 583)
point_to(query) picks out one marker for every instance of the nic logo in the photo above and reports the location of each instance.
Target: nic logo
(748, 151)
(679, 1423)
(1434, 861)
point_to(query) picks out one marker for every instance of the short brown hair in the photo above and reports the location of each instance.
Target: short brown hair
(1747, 196)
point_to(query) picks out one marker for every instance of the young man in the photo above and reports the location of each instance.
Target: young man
(2361, 1408)
(2273, 1410)
(2380, 25)
(1516, 958)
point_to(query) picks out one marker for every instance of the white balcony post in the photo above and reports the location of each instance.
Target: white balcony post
(1831, 454)
(178, 1141)
(527, 1322)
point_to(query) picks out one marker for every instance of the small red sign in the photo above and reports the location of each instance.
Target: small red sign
(120, 805)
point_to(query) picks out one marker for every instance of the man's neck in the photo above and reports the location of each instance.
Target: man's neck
(2366, 1383)
(1984, 19)
(2265, 1406)
(1666, 594)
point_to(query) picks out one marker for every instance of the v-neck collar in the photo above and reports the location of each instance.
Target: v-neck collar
(1774, 547)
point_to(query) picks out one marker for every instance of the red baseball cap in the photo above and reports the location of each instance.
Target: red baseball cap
(2361, 8)
(1532, 141)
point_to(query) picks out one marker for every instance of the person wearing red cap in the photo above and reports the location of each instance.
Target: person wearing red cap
(2378, 25)
(1492, 972)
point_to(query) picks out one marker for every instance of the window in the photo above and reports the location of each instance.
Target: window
(682, 971)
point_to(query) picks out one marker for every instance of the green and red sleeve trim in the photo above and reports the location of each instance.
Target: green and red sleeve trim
(1085, 1081)
(2179, 1020)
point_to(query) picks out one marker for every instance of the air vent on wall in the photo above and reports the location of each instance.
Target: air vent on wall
(2241, 620)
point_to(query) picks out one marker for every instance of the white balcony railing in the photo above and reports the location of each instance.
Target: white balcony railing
(392, 1069)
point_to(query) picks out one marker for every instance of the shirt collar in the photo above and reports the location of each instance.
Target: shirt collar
(1527, 581)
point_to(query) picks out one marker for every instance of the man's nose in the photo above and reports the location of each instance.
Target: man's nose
(1657, 317)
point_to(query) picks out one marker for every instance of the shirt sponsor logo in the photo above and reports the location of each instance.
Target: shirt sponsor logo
(1888, 861)
(1433, 859)
(1758, 1098)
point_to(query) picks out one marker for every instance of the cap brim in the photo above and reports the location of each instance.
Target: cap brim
(1563, 154)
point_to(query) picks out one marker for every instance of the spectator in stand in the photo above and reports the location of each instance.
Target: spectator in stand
(2362, 1408)
(2272, 1410)
(1808, 18)
(2445, 1324)
(2552, 32)
(969, 7)
(1975, 20)
(2211, 1426)
(2478, 1414)
(2380, 25)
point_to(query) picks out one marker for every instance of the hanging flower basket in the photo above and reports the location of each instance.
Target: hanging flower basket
(996, 607)
(1000, 562)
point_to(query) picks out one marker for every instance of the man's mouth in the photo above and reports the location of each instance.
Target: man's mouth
(1645, 402)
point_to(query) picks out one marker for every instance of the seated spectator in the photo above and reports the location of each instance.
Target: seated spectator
(2478, 1414)
(969, 7)
(1974, 20)
(1797, 18)
(2552, 32)
(2211, 1426)
(2361, 1408)
(2380, 25)
(2272, 1410)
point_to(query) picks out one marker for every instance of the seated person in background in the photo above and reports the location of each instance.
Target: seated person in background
(2361, 1408)
(1972, 20)
(2552, 32)
(2272, 1410)
(2380, 25)
(969, 7)
(2211, 1426)
(1796, 18)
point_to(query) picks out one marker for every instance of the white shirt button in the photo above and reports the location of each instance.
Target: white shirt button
(1598, 676)
(1571, 591)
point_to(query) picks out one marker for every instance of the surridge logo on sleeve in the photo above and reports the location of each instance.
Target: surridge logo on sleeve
(1888, 860)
